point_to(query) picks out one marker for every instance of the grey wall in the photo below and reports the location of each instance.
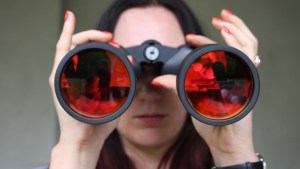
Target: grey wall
(28, 33)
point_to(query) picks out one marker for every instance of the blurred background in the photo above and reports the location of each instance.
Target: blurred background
(28, 34)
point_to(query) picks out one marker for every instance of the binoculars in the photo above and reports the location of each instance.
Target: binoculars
(217, 84)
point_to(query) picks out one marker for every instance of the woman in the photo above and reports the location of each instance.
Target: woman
(155, 131)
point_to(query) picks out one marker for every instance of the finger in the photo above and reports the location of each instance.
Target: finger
(198, 40)
(230, 39)
(230, 17)
(91, 35)
(114, 43)
(64, 43)
(166, 81)
(220, 24)
(239, 42)
(131, 60)
(235, 37)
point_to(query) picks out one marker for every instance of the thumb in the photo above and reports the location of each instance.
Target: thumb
(166, 81)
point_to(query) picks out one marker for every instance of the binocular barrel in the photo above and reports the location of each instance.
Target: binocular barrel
(217, 84)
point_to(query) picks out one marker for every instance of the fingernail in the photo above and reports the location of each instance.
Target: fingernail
(106, 32)
(218, 19)
(114, 43)
(66, 15)
(228, 11)
(191, 34)
(131, 60)
(226, 30)
(156, 84)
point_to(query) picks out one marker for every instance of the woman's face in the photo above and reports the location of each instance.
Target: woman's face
(156, 115)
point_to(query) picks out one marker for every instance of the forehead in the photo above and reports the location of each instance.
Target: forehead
(138, 24)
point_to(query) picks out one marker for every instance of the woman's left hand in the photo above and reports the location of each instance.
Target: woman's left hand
(231, 144)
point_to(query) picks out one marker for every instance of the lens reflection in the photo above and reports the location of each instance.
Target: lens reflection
(218, 85)
(95, 83)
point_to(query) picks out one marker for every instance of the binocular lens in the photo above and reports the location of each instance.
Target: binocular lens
(218, 85)
(95, 83)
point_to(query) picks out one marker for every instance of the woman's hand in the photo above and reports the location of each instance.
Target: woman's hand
(231, 144)
(80, 144)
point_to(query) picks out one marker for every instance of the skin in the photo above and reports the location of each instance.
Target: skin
(145, 142)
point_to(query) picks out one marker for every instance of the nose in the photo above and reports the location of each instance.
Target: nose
(145, 90)
(148, 92)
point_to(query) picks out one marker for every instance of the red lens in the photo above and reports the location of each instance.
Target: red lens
(95, 83)
(218, 85)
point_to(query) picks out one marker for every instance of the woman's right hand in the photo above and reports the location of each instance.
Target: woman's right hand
(79, 144)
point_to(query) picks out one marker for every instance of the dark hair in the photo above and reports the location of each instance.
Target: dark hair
(189, 151)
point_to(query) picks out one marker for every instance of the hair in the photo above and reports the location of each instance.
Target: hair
(189, 151)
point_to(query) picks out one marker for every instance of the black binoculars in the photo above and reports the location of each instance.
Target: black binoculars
(217, 84)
